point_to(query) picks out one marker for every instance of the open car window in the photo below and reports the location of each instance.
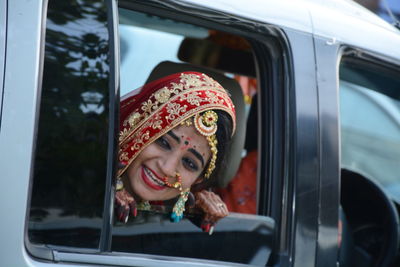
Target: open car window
(152, 47)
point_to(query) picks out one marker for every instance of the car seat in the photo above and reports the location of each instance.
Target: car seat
(232, 86)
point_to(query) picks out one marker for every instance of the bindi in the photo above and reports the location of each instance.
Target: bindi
(186, 142)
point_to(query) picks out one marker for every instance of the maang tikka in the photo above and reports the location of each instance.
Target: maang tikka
(206, 125)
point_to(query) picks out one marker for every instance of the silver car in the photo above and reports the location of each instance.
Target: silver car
(316, 87)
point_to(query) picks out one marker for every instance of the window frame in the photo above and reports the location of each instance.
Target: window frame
(50, 252)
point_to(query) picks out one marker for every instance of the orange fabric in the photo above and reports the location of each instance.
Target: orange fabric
(241, 193)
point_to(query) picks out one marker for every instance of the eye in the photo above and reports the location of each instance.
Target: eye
(190, 164)
(163, 142)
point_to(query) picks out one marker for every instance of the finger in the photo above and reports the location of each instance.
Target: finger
(120, 213)
(133, 208)
(205, 203)
(126, 215)
(221, 207)
(191, 200)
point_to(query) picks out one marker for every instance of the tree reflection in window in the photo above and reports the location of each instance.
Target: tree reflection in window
(71, 149)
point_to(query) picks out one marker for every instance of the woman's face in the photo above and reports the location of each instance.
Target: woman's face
(182, 150)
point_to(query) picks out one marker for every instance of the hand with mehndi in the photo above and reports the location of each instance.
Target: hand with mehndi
(213, 208)
(125, 204)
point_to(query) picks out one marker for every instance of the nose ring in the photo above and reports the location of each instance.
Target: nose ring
(177, 184)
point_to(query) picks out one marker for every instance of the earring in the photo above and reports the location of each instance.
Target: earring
(119, 185)
(179, 207)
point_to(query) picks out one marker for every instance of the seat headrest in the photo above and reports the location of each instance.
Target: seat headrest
(232, 86)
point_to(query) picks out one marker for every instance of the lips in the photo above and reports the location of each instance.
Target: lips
(151, 179)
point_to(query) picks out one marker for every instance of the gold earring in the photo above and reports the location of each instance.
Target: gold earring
(179, 207)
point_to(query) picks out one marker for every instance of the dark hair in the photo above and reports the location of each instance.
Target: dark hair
(223, 134)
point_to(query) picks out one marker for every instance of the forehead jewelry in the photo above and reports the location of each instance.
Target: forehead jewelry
(206, 125)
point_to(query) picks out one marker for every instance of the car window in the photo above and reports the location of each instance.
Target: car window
(67, 197)
(154, 46)
(370, 122)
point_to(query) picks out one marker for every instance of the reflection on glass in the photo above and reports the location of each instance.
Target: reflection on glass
(70, 164)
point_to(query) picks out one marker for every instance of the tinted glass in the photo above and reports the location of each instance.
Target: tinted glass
(70, 164)
(370, 122)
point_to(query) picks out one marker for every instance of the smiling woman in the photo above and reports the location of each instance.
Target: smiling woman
(173, 136)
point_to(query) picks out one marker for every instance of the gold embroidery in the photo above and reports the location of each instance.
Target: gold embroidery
(148, 106)
(193, 98)
(176, 88)
(122, 134)
(139, 141)
(123, 156)
(162, 95)
(156, 122)
(133, 119)
(174, 110)
(188, 122)
(191, 80)
(212, 97)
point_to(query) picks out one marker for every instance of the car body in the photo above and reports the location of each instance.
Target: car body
(300, 49)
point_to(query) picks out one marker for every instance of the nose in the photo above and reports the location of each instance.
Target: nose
(169, 165)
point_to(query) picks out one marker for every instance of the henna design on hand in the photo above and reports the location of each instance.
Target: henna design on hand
(125, 204)
(213, 208)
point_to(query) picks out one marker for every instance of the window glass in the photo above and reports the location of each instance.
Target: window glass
(71, 147)
(370, 122)
(153, 47)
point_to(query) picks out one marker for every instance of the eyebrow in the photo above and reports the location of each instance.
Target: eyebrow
(174, 136)
(197, 155)
(192, 150)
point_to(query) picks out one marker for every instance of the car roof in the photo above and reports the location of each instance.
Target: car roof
(343, 21)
